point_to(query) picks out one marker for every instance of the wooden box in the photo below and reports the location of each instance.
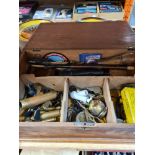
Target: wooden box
(72, 135)
(71, 39)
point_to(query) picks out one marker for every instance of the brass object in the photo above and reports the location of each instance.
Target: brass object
(81, 117)
(58, 108)
(49, 120)
(70, 102)
(85, 116)
(47, 106)
(41, 111)
(37, 100)
(50, 114)
(21, 112)
(21, 118)
(97, 108)
(88, 117)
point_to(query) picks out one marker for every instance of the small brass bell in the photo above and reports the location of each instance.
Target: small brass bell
(98, 108)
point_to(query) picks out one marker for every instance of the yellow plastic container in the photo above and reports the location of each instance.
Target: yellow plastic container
(128, 99)
(25, 36)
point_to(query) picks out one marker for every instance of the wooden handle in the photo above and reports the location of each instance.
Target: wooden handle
(37, 100)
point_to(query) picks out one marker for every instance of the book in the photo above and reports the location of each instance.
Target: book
(86, 8)
(27, 9)
(64, 13)
(45, 12)
(109, 7)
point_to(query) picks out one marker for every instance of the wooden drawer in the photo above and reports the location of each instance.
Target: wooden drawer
(82, 136)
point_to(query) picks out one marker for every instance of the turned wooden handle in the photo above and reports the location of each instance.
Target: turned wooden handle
(36, 100)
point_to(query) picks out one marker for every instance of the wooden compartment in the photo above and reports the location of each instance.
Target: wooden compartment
(52, 83)
(65, 135)
(71, 39)
(117, 83)
(79, 16)
(90, 81)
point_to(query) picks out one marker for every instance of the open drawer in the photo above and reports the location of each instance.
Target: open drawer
(73, 135)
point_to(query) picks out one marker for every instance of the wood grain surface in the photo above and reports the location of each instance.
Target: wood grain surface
(69, 130)
(67, 135)
(66, 36)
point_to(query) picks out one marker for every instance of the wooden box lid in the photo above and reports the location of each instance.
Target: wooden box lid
(76, 36)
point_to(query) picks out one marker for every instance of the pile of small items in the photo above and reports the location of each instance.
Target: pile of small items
(86, 105)
(40, 104)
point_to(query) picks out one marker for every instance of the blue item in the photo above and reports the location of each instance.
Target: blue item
(55, 58)
(85, 8)
(109, 7)
(89, 58)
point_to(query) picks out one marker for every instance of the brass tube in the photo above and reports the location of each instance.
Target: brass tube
(49, 120)
(37, 100)
(50, 114)
(21, 112)
(21, 118)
